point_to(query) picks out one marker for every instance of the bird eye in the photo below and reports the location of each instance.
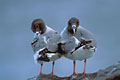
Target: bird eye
(36, 25)
(69, 23)
(77, 22)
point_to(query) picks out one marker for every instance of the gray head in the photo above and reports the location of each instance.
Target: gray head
(38, 25)
(73, 24)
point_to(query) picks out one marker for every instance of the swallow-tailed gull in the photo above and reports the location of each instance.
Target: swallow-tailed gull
(79, 43)
(45, 43)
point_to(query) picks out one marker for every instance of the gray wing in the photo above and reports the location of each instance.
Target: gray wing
(52, 42)
(38, 43)
(64, 35)
(84, 34)
(68, 41)
(70, 44)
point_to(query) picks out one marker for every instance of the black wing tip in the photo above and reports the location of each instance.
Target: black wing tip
(43, 58)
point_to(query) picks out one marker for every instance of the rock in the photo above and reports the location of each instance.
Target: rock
(74, 77)
(109, 73)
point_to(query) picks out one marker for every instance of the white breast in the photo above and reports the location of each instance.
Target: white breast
(81, 54)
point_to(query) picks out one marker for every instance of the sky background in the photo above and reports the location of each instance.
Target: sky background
(101, 17)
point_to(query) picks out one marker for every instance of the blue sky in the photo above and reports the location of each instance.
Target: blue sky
(101, 17)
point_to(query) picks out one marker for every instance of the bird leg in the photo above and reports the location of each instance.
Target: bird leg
(52, 68)
(74, 73)
(41, 69)
(84, 66)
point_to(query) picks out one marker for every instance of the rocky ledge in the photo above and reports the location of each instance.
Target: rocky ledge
(109, 73)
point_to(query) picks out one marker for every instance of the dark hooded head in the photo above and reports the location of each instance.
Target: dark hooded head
(38, 25)
(73, 24)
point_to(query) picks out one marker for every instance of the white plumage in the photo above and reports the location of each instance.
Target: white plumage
(48, 40)
(70, 44)
(79, 43)
(45, 43)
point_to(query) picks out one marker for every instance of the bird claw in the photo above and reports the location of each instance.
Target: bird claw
(40, 73)
(72, 74)
(51, 73)
(83, 72)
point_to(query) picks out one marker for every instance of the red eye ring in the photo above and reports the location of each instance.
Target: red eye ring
(69, 23)
(77, 22)
(36, 25)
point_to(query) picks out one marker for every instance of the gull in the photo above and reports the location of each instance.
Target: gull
(79, 43)
(45, 43)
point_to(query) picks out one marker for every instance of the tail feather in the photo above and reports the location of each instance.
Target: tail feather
(43, 58)
(60, 50)
(36, 56)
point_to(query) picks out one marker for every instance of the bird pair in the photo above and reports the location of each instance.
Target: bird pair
(74, 42)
